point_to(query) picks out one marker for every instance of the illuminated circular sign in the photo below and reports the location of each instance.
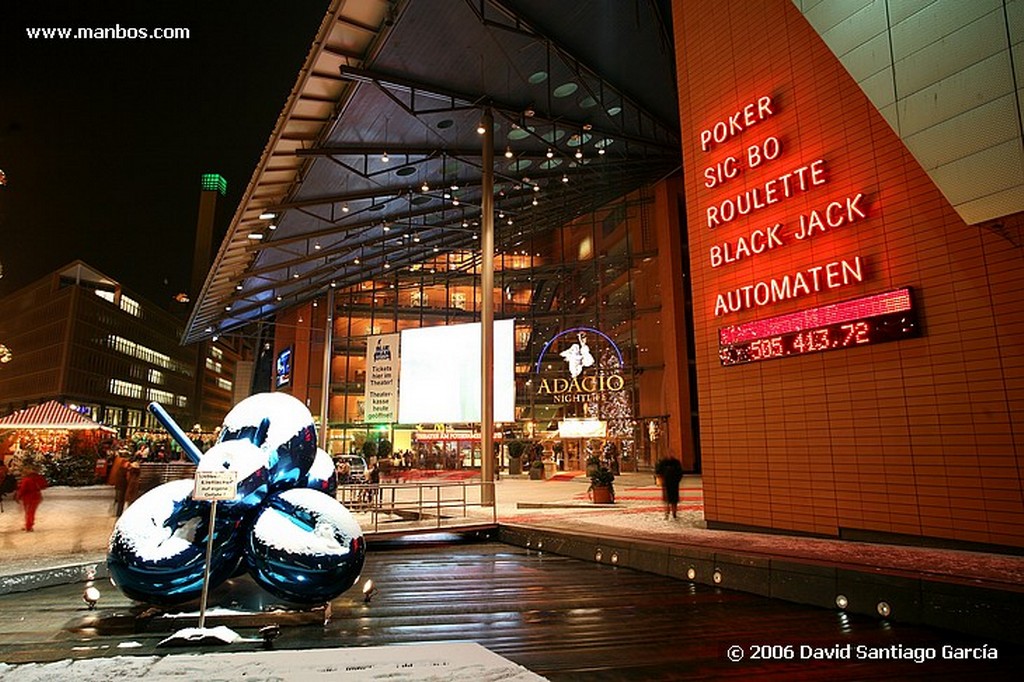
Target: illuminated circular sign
(578, 357)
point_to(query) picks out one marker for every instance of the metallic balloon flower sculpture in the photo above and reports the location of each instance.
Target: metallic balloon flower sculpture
(284, 525)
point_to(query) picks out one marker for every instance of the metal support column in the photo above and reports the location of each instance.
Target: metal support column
(487, 459)
(325, 388)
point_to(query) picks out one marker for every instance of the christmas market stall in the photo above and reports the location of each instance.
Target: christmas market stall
(63, 445)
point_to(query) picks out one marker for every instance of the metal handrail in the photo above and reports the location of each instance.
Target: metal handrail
(411, 501)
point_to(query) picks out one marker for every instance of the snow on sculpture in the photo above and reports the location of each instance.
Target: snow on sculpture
(284, 525)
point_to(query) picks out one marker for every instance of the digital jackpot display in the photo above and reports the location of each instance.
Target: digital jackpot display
(888, 316)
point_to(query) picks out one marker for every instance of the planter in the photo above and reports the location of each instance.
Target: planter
(592, 469)
(601, 494)
(627, 465)
(515, 465)
(536, 473)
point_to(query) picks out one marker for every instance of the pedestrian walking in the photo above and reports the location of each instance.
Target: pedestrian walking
(670, 471)
(30, 494)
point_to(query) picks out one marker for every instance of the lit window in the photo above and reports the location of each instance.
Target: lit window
(125, 389)
(216, 353)
(160, 396)
(156, 376)
(131, 306)
(224, 383)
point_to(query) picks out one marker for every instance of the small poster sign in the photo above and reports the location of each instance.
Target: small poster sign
(215, 485)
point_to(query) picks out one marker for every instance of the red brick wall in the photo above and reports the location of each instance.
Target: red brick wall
(921, 436)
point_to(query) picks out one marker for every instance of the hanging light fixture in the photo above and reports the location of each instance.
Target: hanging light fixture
(508, 152)
(550, 153)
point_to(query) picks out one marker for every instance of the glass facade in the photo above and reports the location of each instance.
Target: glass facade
(591, 288)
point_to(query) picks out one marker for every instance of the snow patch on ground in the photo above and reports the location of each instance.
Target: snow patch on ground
(453, 662)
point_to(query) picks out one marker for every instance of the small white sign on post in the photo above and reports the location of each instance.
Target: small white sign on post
(215, 485)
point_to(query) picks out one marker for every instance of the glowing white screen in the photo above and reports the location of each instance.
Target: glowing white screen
(439, 376)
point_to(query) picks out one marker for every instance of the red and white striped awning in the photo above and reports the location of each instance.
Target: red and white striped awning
(49, 415)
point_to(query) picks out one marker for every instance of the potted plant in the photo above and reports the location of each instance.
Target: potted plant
(515, 456)
(593, 465)
(537, 470)
(602, 490)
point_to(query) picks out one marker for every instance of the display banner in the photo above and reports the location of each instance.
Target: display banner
(382, 360)
(582, 428)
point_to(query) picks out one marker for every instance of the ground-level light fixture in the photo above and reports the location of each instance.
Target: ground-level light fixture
(91, 595)
(369, 591)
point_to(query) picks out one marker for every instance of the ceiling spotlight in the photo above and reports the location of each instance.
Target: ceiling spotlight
(508, 152)
(356, 261)
(267, 215)
(271, 226)
(255, 236)
(387, 265)
(384, 158)
(295, 276)
(550, 153)
(455, 201)
(535, 202)
(238, 287)
(344, 207)
(480, 129)
(601, 151)
(334, 284)
(425, 187)
(565, 178)
(316, 247)
(536, 188)
(579, 154)
(588, 126)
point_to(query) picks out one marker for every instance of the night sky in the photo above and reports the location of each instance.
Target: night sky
(103, 141)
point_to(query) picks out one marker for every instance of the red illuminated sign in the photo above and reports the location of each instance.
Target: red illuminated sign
(889, 316)
(829, 215)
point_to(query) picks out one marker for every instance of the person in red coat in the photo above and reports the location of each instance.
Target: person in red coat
(30, 494)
